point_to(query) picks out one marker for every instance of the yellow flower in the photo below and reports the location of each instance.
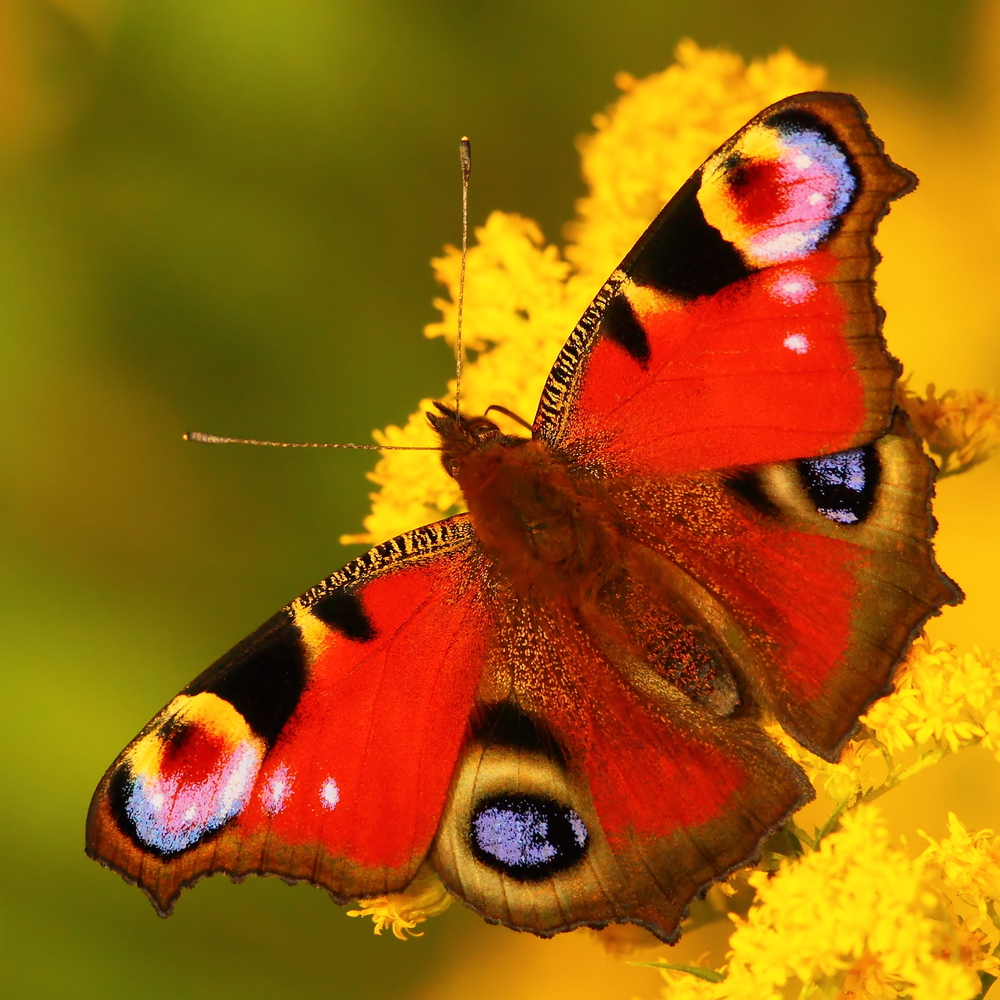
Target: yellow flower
(524, 296)
(856, 914)
(425, 897)
(859, 766)
(942, 700)
(968, 866)
(961, 428)
(860, 918)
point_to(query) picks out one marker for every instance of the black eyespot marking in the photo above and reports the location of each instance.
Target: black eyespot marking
(620, 325)
(262, 678)
(732, 161)
(527, 837)
(344, 612)
(682, 254)
(119, 789)
(843, 486)
(506, 724)
(746, 485)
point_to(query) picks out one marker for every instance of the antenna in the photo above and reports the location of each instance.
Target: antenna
(465, 155)
(200, 438)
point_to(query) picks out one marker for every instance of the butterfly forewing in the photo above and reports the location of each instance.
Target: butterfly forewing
(742, 328)
(742, 333)
(322, 747)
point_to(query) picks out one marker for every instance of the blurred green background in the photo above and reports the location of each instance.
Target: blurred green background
(218, 214)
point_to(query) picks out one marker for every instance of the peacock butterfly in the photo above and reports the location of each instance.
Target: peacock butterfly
(719, 516)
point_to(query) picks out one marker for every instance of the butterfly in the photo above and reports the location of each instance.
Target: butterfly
(555, 700)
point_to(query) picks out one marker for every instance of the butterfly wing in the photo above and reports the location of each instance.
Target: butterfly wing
(742, 327)
(742, 334)
(618, 765)
(322, 746)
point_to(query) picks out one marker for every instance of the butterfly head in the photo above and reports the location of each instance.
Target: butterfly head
(465, 438)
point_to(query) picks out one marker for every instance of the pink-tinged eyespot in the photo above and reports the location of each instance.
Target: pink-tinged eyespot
(277, 788)
(792, 287)
(797, 343)
(778, 192)
(329, 794)
(191, 774)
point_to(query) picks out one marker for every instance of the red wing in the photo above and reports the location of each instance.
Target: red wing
(320, 748)
(742, 327)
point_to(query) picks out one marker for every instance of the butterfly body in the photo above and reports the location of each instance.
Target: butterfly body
(545, 523)
(555, 699)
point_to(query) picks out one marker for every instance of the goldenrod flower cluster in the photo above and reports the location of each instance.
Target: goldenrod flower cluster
(942, 702)
(859, 917)
(840, 912)
(961, 429)
(849, 914)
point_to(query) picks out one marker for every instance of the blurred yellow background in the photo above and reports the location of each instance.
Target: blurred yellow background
(218, 214)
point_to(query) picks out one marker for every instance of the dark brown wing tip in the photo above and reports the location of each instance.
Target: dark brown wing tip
(901, 181)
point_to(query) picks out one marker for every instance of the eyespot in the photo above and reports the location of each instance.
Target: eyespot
(842, 486)
(527, 837)
(452, 467)
(187, 778)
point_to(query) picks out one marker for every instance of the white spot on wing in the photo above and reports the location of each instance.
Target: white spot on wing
(275, 793)
(329, 794)
(794, 288)
(796, 343)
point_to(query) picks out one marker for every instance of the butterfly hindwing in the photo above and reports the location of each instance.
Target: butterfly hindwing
(605, 795)
(742, 327)
(809, 577)
(320, 748)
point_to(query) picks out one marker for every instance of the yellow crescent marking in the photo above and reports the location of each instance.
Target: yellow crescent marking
(316, 635)
(715, 196)
(647, 301)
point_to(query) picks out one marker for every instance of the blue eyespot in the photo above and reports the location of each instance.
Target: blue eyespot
(527, 837)
(842, 486)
